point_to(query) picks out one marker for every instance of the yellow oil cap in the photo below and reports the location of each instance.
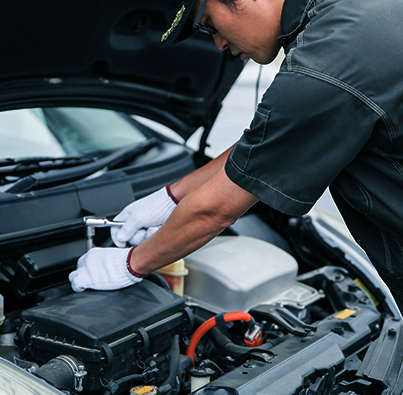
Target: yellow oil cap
(144, 389)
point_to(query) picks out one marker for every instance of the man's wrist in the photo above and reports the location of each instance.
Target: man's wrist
(129, 268)
(170, 194)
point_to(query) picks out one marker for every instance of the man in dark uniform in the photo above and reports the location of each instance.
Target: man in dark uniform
(333, 116)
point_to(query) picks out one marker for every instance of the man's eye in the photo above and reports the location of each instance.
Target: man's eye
(208, 24)
(210, 27)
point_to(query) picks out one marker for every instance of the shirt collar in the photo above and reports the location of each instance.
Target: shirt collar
(293, 19)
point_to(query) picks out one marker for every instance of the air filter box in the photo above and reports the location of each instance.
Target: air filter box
(110, 332)
(46, 268)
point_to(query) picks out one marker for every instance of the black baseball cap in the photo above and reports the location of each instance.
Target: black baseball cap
(179, 26)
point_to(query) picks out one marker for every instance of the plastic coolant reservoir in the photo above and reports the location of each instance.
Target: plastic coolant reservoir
(1, 310)
(237, 273)
(174, 275)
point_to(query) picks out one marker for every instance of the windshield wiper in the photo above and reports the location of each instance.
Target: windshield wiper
(21, 167)
(57, 177)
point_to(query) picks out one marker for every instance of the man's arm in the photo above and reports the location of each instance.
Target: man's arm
(213, 204)
(199, 177)
(198, 218)
(143, 217)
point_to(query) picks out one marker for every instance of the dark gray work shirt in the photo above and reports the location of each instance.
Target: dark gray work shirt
(334, 116)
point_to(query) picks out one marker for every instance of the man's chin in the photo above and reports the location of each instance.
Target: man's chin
(265, 59)
(261, 61)
(244, 57)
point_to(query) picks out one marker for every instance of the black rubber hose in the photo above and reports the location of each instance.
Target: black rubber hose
(158, 280)
(224, 344)
(58, 373)
(174, 356)
(221, 341)
(127, 380)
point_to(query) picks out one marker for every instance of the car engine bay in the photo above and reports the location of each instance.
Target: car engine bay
(275, 305)
(249, 322)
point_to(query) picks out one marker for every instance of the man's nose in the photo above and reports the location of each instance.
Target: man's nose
(221, 43)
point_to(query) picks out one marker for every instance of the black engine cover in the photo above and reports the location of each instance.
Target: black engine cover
(108, 331)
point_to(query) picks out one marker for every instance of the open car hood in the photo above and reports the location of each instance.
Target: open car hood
(103, 53)
(314, 316)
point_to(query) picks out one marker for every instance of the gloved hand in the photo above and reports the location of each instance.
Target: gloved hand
(143, 217)
(103, 269)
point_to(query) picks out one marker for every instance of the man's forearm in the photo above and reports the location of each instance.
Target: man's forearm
(199, 177)
(197, 219)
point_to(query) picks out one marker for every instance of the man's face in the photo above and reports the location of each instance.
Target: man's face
(250, 30)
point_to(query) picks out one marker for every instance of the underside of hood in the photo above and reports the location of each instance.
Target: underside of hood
(106, 54)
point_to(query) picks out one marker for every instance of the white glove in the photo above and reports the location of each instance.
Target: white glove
(143, 218)
(103, 269)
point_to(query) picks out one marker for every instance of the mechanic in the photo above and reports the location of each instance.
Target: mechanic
(332, 117)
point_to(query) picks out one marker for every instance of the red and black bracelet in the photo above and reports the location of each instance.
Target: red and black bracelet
(131, 271)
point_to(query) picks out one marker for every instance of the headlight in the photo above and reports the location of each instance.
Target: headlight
(14, 380)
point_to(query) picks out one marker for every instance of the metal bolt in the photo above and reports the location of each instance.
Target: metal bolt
(392, 332)
(338, 330)
(293, 222)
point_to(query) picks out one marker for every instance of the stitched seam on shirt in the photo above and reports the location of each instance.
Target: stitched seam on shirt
(400, 248)
(261, 139)
(348, 201)
(268, 185)
(386, 248)
(289, 59)
(300, 39)
(367, 196)
(265, 125)
(311, 13)
(311, 16)
(394, 163)
(355, 92)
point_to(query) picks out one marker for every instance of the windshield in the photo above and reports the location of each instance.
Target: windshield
(66, 131)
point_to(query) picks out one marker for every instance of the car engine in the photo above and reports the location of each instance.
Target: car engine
(247, 323)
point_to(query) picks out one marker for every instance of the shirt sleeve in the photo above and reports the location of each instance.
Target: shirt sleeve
(304, 132)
